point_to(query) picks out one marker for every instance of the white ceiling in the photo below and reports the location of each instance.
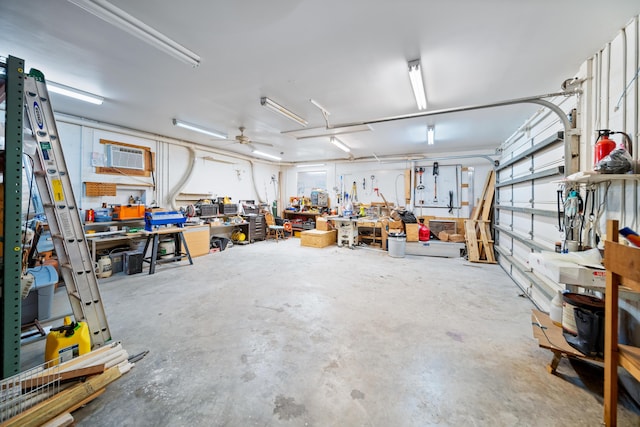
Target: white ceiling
(349, 56)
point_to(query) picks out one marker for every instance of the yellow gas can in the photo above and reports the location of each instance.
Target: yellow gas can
(67, 341)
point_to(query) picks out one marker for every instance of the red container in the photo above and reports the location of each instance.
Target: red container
(424, 233)
(90, 216)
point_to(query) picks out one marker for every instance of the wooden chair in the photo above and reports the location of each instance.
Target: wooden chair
(273, 231)
(623, 269)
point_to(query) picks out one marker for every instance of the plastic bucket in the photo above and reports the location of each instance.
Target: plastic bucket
(396, 243)
(166, 248)
(104, 267)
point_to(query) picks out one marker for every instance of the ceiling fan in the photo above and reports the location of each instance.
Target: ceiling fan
(245, 140)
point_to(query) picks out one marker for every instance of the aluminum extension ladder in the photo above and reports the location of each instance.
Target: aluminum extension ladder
(63, 217)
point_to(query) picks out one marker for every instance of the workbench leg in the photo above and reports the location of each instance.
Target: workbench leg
(154, 254)
(551, 367)
(186, 248)
(146, 246)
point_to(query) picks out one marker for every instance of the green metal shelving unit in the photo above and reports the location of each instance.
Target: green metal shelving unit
(11, 301)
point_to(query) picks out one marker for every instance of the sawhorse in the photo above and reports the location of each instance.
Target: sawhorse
(153, 238)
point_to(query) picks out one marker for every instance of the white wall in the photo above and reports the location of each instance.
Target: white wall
(180, 168)
(389, 179)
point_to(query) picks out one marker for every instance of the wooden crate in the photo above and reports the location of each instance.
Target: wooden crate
(412, 231)
(318, 238)
(323, 224)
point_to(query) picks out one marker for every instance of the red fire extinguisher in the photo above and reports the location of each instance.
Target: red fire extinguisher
(604, 145)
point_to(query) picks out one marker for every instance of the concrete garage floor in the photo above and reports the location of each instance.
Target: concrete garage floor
(274, 334)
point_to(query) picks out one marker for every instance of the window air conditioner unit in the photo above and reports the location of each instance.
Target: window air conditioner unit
(125, 157)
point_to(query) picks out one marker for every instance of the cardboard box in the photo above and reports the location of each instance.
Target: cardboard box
(318, 238)
(323, 224)
(412, 231)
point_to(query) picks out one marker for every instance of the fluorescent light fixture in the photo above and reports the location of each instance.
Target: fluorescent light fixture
(74, 93)
(335, 141)
(415, 75)
(121, 19)
(431, 134)
(280, 109)
(310, 165)
(196, 128)
(268, 156)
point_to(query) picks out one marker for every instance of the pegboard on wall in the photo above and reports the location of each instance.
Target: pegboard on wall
(372, 185)
(437, 186)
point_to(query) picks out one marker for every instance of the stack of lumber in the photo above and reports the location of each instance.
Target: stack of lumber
(478, 228)
(49, 396)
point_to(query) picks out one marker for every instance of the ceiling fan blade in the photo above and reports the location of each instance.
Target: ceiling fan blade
(266, 144)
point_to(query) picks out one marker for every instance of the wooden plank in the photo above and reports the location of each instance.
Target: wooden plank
(472, 240)
(477, 209)
(407, 186)
(87, 400)
(485, 236)
(488, 196)
(59, 403)
(623, 260)
(61, 420)
(550, 336)
(41, 379)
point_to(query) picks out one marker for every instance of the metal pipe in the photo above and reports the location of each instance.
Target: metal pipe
(533, 100)
(63, 118)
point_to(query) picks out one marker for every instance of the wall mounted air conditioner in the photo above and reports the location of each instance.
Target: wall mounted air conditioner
(125, 157)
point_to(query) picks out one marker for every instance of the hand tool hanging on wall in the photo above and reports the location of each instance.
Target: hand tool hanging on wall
(573, 206)
(590, 227)
(354, 192)
(450, 205)
(435, 182)
(420, 171)
(559, 199)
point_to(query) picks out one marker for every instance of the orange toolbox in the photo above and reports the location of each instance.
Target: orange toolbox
(121, 213)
